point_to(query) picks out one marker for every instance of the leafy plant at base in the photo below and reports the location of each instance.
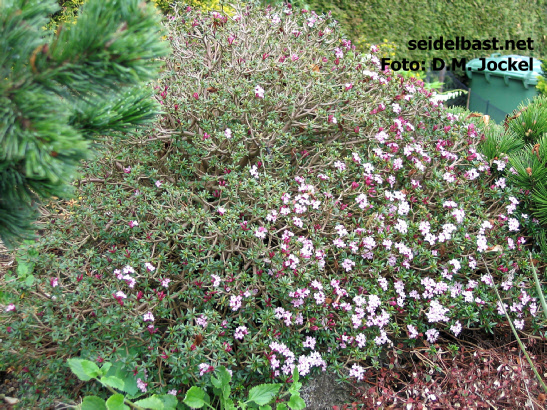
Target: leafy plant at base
(259, 396)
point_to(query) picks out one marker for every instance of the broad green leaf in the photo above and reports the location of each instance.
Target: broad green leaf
(129, 381)
(151, 403)
(76, 367)
(29, 280)
(263, 393)
(169, 401)
(295, 374)
(266, 407)
(24, 268)
(93, 403)
(295, 388)
(106, 367)
(195, 397)
(115, 402)
(113, 381)
(91, 369)
(229, 404)
(296, 402)
(281, 406)
(216, 382)
(225, 376)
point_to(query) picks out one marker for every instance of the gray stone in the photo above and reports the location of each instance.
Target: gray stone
(323, 391)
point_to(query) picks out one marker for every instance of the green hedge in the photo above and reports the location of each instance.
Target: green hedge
(398, 21)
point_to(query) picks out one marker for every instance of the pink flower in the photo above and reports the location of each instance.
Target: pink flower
(149, 267)
(141, 385)
(120, 295)
(235, 302)
(132, 224)
(127, 170)
(348, 86)
(148, 317)
(412, 332)
(259, 92)
(205, 368)
(10, 307)
(165, 282)
(348, 264)
(456, 328)
(54, 282)
(240, 332)
(432, 335)
(228, 133)
(231, 38)
(294, 57)
(357, 371)
(202, 321)
(130, 281)
(221, 210)
(261, 232)
(158, 183)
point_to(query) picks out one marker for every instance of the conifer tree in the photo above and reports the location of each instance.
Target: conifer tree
(60, 91)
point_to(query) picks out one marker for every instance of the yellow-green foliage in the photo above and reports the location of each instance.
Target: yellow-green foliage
(67, 14)
(69, 9)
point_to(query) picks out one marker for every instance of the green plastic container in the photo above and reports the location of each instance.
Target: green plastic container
(499, 88)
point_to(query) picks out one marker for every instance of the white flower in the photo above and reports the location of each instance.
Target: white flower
(259, 92)
(228, 133)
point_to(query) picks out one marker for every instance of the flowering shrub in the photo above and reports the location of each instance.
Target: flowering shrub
(294, 207)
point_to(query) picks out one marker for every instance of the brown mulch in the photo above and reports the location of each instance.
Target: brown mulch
(487, 372)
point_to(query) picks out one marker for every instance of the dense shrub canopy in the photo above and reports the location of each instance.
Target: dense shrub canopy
(293, 207)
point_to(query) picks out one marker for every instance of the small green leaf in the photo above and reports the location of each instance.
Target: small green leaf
(195, 397)
(169, 401)
(106, 367)
(24, 268)
(225, 376)
(263, 393)
(281, 406)
(216, 382)
(115, 402)
(129, 381)
(229, 404)
(91, 369)
(77, 368)
(29, 280)
(295, 374)
(295, 388)
(151, 403)
(113, 381)
(296, 402)
(93, 403)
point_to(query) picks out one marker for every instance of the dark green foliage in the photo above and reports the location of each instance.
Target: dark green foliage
(530, 120)
(61, 91)
(498, 142)
(523, 139)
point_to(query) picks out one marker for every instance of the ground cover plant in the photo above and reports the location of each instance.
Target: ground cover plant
(294, 207)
